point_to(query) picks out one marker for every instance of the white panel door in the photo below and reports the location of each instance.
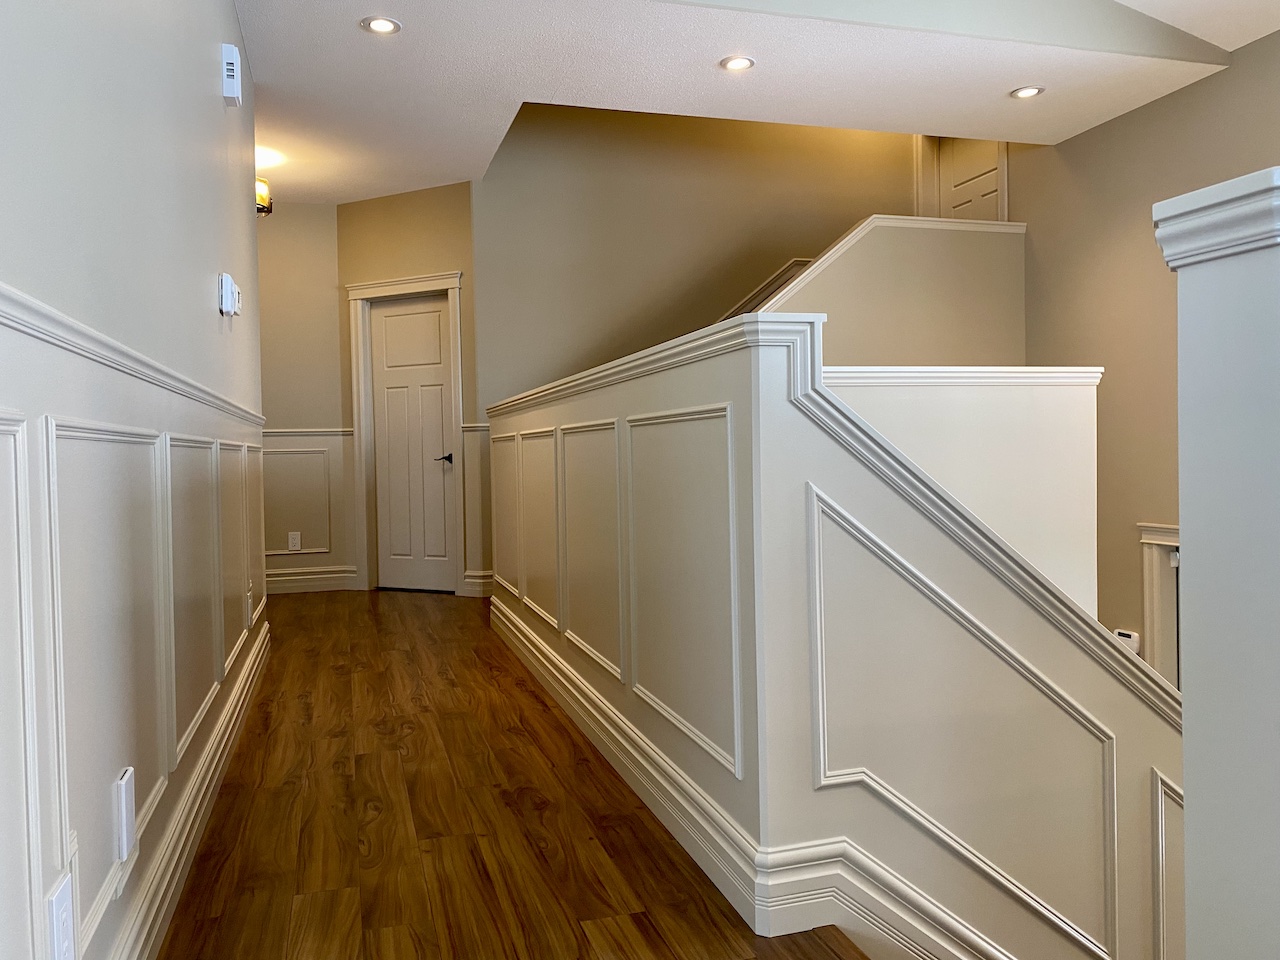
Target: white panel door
(413, 419)
(971, 175)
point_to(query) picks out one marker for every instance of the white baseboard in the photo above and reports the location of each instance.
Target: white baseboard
(778, 890)
(313, 580)
(151, 907)
(476, 583)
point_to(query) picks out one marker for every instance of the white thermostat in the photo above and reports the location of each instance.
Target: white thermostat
(229, 299)
(231, 75)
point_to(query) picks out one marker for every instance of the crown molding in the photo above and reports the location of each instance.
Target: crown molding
(1224, 220)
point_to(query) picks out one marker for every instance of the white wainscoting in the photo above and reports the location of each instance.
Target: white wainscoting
(477, 578)
(1169, 869)
(309, 487)
(115, 483)
(849, 699)
(686, 654)
(591, 535)
(539, 525)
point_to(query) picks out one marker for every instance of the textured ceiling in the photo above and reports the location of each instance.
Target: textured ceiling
(1229, 24)
(361, 116)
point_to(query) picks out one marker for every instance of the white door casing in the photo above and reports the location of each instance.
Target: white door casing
(428, 377)
(413, 445)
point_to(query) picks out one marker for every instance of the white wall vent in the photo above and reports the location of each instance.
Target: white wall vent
(231, 74)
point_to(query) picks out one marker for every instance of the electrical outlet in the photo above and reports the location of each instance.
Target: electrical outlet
(295, 541)
(62, 921)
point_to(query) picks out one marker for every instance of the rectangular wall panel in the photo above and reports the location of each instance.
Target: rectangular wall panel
(197, 592)
(685, 643)
(539, 526)
(108, 583)
(506, 516)
(593, 542)
(235, 570)
(297, 485)
(255, 526)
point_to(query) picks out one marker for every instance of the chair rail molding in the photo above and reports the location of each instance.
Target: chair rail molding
(961, 376)
(39, 320)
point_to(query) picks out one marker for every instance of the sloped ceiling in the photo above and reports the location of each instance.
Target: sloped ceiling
(359, 115)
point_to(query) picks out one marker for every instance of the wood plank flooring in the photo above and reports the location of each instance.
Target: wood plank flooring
(405, 790)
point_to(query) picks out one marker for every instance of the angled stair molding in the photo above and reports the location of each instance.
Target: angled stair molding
(38, 320)
(821, 506)
(825, 871)
(800, 335)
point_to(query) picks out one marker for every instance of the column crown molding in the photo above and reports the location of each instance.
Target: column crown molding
(1224, 220)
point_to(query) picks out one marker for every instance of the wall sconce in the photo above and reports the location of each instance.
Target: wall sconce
(262, 191)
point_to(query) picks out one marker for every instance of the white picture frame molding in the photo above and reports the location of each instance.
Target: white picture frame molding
(361, 297)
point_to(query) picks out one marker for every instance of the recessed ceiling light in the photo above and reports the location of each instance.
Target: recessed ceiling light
(737, 64)
(264, 158)
(381, 25)
(1026, 93)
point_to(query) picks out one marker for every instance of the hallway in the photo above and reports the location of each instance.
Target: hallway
(404, 788)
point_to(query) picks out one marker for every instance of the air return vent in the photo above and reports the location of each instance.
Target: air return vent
(231, 74)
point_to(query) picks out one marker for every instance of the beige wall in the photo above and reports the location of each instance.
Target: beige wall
(1098, 291)
(303, 332)
(124, 179)
(411, 235)
(598, 233)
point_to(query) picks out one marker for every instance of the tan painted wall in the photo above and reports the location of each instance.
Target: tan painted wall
(598, 233)
(124, 179)
(303, 332)
(903, 295)
(1099, 293)
(410, 235)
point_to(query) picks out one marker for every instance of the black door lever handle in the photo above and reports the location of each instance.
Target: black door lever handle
(447, 458)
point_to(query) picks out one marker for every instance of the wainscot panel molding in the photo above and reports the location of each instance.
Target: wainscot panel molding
(299, 495)
(827, 518)
(539, 524)
(772, 536)
(593, 568)
(682, 599)
(1169, 885)
(35, 319)
(21, 893)
(477, 576)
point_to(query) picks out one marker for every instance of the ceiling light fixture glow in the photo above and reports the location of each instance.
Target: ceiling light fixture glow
(737, 64)
(1026, 93)
(384, 26)
(264, 158)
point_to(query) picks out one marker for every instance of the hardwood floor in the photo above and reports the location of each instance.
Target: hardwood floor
(405, 789)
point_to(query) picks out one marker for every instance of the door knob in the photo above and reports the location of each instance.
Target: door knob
(447, 458)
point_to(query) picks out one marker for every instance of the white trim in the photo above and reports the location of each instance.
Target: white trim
(476, 583)
(1159, 543)
(961, 376)
(837, 249)
(14, 426)
(405, 286)
(820, 506)
(773, 887)
(1158, 534)
(194, 726)
(1163, 790)
(147, 913)
(361, 297)
(541, 432)
(310, 432)
(568, 430)
(718, 411)
(29, 316)
(313, 580)
(801, 335)
(475, 428)
(1223, 220)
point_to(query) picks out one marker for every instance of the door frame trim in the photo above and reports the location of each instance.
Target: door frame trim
(361, 297)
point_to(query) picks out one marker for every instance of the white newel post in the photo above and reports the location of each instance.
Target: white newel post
(1224, 241)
